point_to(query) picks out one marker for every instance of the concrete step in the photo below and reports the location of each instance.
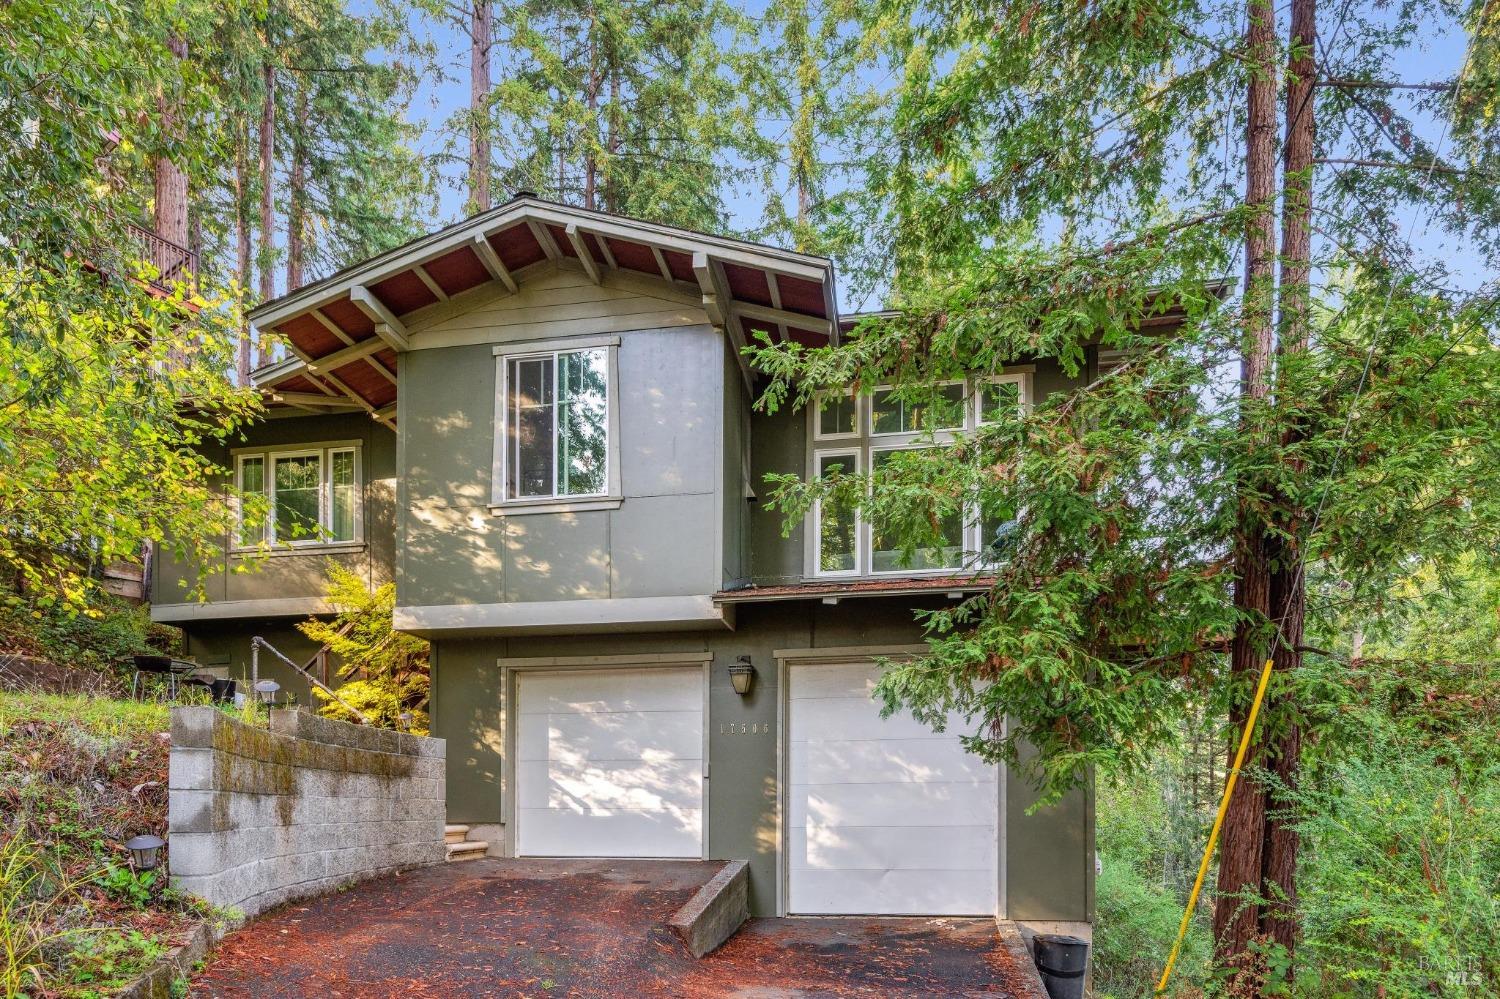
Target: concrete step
(468, 850)
(455, 834)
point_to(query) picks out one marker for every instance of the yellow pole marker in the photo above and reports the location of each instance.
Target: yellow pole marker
(1213, 837)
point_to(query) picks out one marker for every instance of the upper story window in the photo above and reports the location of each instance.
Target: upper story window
(556, 440)
(870, 433)
(311, 495)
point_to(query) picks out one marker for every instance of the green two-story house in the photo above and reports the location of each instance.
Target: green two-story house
(539, 423)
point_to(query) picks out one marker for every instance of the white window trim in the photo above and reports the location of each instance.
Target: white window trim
(869, 413)
(1019, 378)
(816, 534)
(611, 499)
(324, 452)
(865, 445)
(817, 418)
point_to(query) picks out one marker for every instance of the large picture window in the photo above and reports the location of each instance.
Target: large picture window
(310, 496)
(871, 432)
(555, 427)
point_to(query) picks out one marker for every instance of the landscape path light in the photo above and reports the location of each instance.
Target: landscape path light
(143, 850)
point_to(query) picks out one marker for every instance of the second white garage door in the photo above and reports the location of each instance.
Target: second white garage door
(884, 816)
(609, 763)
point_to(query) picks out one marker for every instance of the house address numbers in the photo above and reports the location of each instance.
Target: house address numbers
(745, 728)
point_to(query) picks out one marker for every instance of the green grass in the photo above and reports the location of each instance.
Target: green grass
(100, 716)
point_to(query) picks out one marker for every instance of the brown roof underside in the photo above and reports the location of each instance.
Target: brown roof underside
(517, 247)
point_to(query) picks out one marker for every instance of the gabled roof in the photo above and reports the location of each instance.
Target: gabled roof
(346, 330)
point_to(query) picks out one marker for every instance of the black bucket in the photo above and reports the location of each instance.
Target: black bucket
(1062, 961)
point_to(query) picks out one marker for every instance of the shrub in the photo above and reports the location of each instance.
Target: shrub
(385, 673)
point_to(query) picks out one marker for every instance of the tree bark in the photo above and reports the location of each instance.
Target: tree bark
(1236, 916)
(296, 213)
(267, 197)
(170, 206)
(481, 25)
(242, 244)
(591, 88)
(1278, 919)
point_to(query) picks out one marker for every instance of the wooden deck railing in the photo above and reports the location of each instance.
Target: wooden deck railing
(172, 263)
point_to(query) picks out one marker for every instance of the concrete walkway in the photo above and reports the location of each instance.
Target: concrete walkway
(534, 928)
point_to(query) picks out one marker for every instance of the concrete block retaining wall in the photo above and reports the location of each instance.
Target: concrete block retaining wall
(258, 817)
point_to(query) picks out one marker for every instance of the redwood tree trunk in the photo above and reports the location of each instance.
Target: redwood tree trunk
(170, 215)
(480, 29)
(1236, 916)
(1278, 920)
(242, 244)
(296, 213)
(267, 197)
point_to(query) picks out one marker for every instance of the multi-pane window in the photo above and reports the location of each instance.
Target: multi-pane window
(886, 553)
(837, 518)
(873, 432)
(309, 496)
(838, 416)
(943, 409)
(557, 424)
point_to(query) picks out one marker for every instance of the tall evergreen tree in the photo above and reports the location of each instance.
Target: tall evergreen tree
(623, 106)
(1058, 175)
(808, 76)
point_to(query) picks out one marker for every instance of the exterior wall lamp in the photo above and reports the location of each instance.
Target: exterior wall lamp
(742, 675)
(143, 850)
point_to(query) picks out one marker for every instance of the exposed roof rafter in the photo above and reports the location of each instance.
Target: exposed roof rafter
(590, 267)
(387, 326)
(492, 263)
(432, 286)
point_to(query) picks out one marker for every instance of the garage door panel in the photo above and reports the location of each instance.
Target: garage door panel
(611, 690)
(857, 718)
(547, 832)
(946, 848)
(904, 803)
(610, 786)
(884, 815)
(883, 760)
(611, 736)
(609, 763)
(936, 893)
(836, 680)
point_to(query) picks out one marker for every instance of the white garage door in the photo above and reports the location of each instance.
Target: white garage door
(609, 763)
(884, 817)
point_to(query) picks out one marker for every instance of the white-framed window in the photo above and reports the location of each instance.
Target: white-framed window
(836, 416)
(885, 554)
(1001, 396)
(891, 415)
(836, 523)
(557, 439)
(311, 495)
(886, 425)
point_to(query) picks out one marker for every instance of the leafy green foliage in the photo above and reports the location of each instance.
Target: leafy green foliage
(133, 887)
(96, 448)
(103, 961)
(385, 673)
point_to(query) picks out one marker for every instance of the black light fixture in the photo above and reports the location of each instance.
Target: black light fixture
(742, 675)
(143, 850)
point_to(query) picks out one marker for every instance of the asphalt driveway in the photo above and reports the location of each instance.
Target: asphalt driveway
(537, 928)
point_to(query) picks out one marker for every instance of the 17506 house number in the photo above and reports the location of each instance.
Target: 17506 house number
(744, 728)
